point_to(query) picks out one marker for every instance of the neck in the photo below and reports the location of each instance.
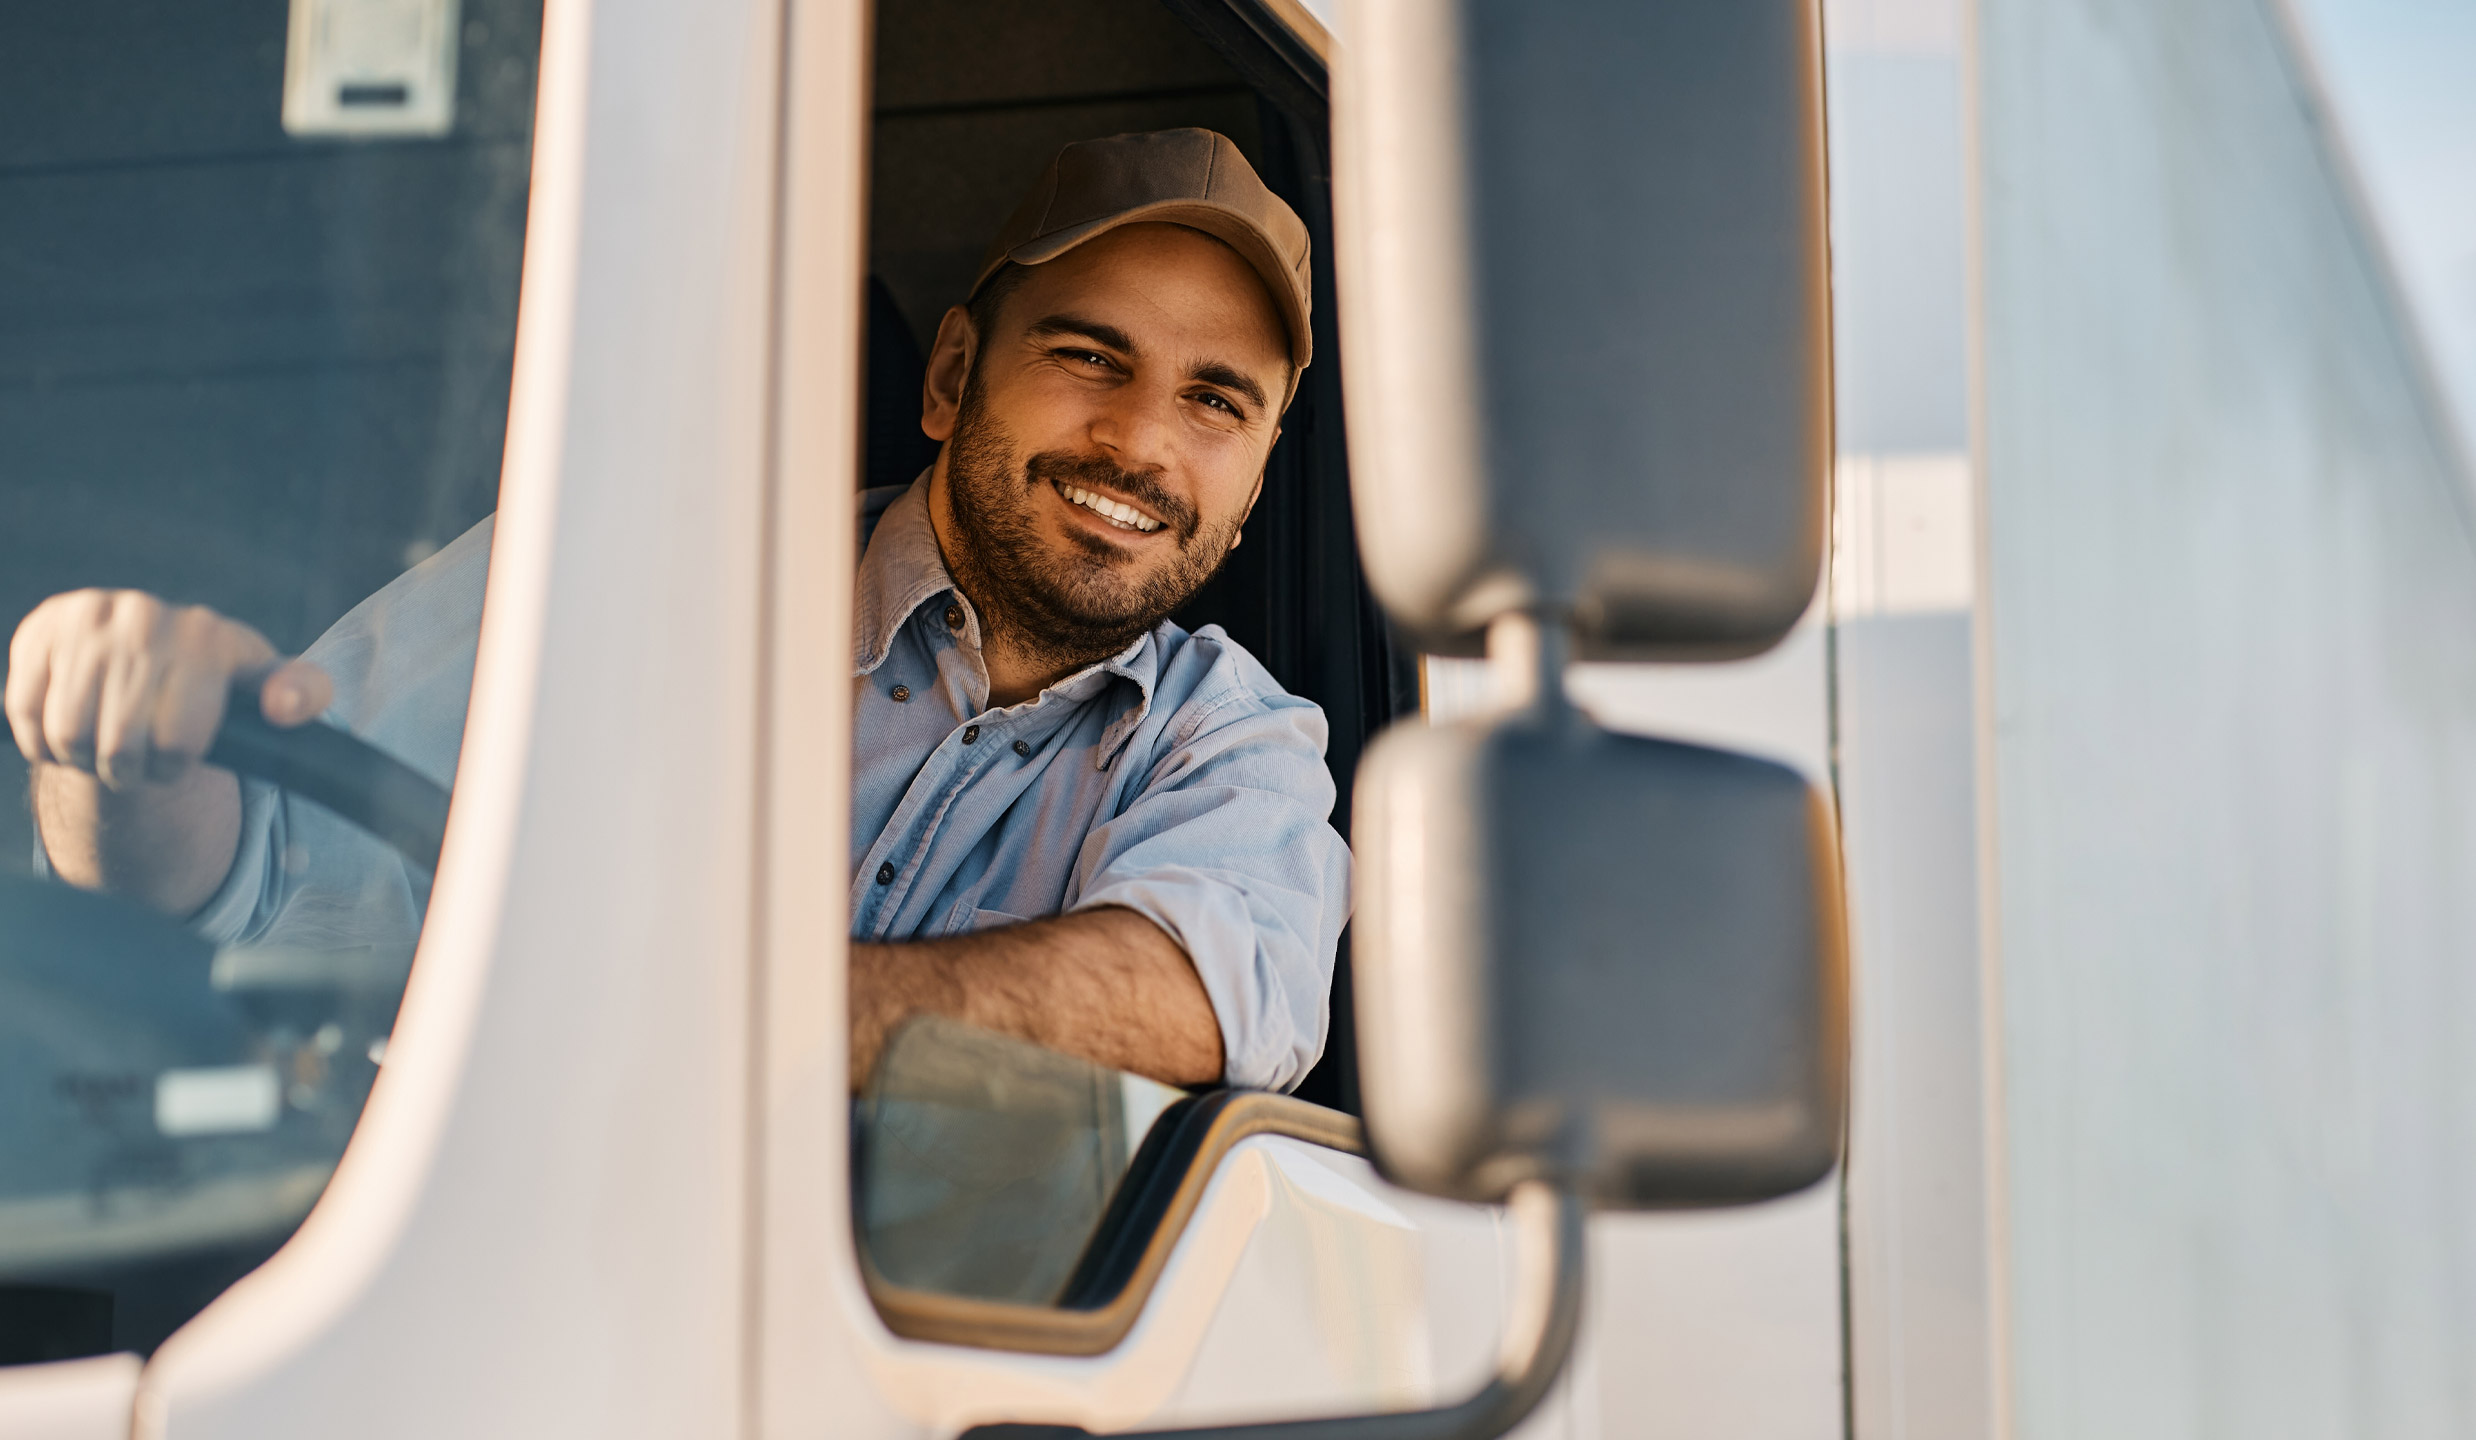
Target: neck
(1014, 675)
(1018, 667)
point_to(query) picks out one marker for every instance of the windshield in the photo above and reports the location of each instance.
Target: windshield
(258, 278)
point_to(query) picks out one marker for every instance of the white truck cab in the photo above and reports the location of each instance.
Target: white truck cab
(631, 295)
(641, 291)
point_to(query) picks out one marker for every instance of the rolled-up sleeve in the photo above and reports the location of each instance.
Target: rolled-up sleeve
(241, 906)
(1228, 848)
(253, 889)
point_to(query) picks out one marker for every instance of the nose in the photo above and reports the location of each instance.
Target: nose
(1134, 428)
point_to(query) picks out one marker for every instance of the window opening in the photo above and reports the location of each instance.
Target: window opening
(971, 101)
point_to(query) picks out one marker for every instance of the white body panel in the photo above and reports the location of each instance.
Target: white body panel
(70, 1399)
(1904, 584)
(1302, 1286)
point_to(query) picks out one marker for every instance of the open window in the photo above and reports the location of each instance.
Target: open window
(1006, 1196)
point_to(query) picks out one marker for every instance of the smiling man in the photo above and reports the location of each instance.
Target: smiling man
(1121, 825)
(1072, 821)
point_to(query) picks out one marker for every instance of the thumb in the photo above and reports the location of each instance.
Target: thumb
(295, 693)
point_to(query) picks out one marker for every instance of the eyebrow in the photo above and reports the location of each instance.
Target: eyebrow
(1109, 335)
(1211, 372)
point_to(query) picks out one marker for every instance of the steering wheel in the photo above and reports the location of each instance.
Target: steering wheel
(338, 770)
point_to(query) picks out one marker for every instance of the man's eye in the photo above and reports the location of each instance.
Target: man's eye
(1089, 357)
(1221, 404)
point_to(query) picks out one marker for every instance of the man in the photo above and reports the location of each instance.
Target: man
(1071, 820)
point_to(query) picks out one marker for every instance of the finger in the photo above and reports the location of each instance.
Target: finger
(139, 638)
(209, 654)
(189, 709)
(296, 693)
(30, 671)
(124, 715)
(70, 699)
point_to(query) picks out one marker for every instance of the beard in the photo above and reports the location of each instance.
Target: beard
(1094, 599)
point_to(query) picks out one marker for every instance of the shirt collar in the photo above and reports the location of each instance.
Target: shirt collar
(900, 572)
(903, 570)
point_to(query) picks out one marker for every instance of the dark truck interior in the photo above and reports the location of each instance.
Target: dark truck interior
(972, 99)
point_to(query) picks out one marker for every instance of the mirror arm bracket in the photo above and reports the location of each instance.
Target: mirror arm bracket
(1527, 652)
(1502, 1403)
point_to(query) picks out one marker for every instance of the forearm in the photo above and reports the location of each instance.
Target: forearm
(168, 846)
(1106, 984)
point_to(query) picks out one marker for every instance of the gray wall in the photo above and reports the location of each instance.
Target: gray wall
(2232, 602)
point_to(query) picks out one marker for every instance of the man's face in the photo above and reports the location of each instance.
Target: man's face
(1108, 438)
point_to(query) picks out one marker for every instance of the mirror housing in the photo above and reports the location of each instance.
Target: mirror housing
(1584, 285)
(1612, 963)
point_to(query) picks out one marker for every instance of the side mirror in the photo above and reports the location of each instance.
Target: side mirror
(1585, 297)
(1586, 304)
(1612, 964)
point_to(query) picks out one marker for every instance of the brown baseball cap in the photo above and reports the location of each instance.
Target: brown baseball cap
(1194, 178)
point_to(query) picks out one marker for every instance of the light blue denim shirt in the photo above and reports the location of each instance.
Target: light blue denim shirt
(1175, 779)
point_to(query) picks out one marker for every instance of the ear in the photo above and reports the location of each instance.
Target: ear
(949, 366)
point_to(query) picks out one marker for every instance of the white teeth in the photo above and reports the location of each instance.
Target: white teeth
(1116, 512)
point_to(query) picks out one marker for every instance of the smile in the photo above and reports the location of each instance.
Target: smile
(1116, 512)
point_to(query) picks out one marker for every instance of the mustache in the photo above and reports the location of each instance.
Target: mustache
(1096, 472)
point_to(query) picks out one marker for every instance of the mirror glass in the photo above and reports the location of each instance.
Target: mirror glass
(985, 1165)
(1586, 292)
(1602, 958)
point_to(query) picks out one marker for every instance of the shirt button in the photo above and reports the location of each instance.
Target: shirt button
(1020, 748)
(901, 693)
(954, 617)
(885, 873)
(971, 734)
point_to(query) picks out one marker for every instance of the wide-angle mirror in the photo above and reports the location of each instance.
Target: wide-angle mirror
(1610, 963)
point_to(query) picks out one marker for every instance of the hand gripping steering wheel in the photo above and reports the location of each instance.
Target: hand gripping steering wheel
(347, 775)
